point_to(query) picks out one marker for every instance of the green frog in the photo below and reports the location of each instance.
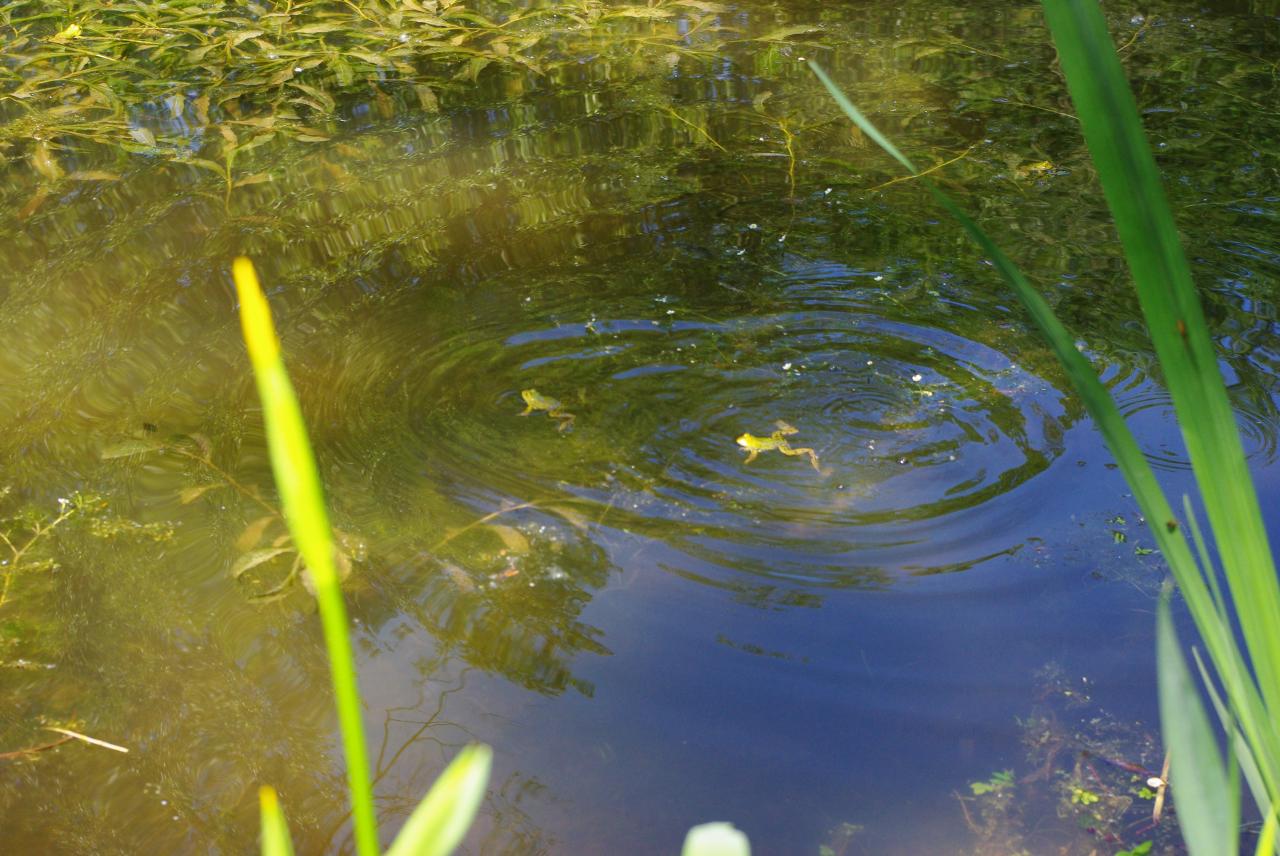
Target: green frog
(777, 440)
(535, 401)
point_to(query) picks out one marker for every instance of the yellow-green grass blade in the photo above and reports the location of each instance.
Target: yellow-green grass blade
(1206, 813)
(1127, 171)
(443, 817)
(1267, 840)
(275, 830)
(298, 481)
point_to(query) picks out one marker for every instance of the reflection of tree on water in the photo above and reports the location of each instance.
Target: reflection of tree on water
(510, 611)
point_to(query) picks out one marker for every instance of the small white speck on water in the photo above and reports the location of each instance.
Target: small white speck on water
(871, 362)
(917, 377)
(877, 279)
(786, 367)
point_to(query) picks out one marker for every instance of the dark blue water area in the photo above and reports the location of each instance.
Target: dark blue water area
(793, 714)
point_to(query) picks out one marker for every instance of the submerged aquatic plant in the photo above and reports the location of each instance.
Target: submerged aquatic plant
(1250, 677)
(202, 84)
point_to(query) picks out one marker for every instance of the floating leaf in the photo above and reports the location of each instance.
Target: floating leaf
(93, 175)
(783, 33)
(203, 443)
(129, 448)
(427, 98)
(254, 558)
(253, 533)
(238, 38)
(640, 12)
(143, 136)
(575, 518)
(45, 163)
(513, 538)
(65, 35)
(459, 577)
(256, 178)
(191, 494)
(322, 28)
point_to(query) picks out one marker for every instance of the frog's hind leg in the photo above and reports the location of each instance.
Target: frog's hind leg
(813, 456)
(786, 428)
(566, 421)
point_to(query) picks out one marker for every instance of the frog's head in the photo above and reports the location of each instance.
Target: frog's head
(530, 396)
(746, 441)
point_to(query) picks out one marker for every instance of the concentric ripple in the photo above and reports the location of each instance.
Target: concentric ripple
(924, 429)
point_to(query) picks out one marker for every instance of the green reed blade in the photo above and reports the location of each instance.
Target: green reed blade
(275, 830)
(440, 821)
(1200, 782)
(1113, 131)
(1173, 314)
(301, 496)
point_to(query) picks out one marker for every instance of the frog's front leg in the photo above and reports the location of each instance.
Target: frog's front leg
(752, 454)
(788, 449)
(528, 408)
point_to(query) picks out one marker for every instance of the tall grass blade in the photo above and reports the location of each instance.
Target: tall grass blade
(1127, 170)
(1200, 783)
(301, 496)
(1172, 310)
(440, 821)
(1267, 840)
(275, 830)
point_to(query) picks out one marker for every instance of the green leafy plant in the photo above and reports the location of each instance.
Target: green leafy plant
(1249, 704)
(442, 818)
(998, 782)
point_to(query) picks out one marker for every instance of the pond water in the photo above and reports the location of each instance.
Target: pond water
(677, 237)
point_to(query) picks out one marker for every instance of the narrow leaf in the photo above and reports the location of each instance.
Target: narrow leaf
(254, 558)
(1199, 778)
(443, 817)
(275, 829)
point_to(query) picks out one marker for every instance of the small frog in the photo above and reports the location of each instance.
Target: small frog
(777, 440)
(535, 401)
(1035, 170)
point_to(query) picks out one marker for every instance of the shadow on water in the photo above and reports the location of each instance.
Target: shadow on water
(652, 632)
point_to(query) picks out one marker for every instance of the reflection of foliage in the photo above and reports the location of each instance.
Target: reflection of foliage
(1095, 774)
(269, 529)
(508, 603)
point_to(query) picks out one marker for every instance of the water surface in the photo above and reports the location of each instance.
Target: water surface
(651, 633)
